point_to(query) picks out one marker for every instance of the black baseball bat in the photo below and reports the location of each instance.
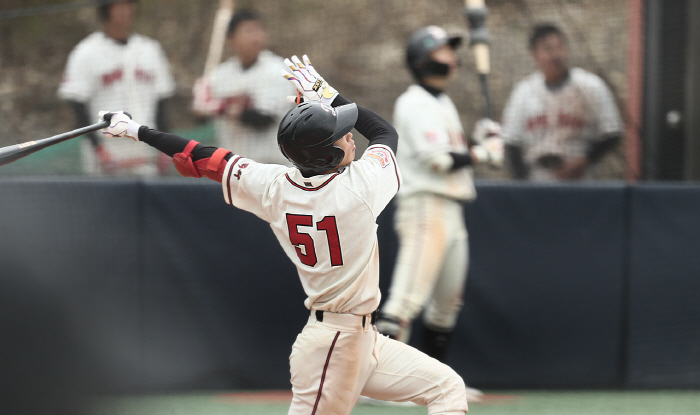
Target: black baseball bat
(15, 152)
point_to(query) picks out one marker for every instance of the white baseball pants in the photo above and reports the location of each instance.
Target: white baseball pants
(335, 361)
(431, 267)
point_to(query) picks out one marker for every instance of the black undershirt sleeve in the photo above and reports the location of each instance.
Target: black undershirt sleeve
(256, 119)
(83, 118)
(600, 148)
(162, 119)
(516, 163)
(172, 144)
(460, 160)
(376, 129)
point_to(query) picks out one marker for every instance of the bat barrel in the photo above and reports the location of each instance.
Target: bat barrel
(15, 152)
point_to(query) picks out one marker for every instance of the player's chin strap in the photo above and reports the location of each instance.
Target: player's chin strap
(209, 167)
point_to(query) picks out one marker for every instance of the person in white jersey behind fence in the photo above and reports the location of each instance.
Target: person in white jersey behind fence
(435, 157)
(559, 121)
(245, 94)
(323, 212)
(115, 68)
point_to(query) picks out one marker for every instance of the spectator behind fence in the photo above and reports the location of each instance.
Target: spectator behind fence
(115, 68)
(246, 94)
(558, 121)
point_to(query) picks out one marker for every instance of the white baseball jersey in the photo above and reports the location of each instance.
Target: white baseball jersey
(326, 224)
(563, 121)
(429, 125)
(108, 75)
(260, 87)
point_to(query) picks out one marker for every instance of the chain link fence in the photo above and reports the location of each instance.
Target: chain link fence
(357, 45)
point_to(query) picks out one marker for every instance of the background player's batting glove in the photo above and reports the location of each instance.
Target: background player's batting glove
(485, 128)
(489, 144)
(120, 125)
(491, 151)
(308, 82)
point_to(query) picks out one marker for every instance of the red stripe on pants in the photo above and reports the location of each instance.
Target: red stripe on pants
(323, 377)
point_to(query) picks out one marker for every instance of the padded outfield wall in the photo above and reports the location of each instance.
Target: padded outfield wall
(169, 288)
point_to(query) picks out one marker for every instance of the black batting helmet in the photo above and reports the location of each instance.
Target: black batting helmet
(421, 43)
(307, 133)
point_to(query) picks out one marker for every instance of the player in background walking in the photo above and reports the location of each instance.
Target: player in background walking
(558, 121)
(435, 158)
(245, 94)
(323, 212)
(115, 68)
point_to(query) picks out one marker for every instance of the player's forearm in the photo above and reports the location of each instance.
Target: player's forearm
(83, 118)
(172, 144)
(162, 119)
(376, 129)
(516, 162)
(600, 148)
(460, 160)
(256, 119)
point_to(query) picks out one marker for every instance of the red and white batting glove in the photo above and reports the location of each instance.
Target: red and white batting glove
(120, 125)
(308, 82)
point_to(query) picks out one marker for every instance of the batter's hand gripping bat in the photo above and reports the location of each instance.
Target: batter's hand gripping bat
(15, 152)
(476, 12)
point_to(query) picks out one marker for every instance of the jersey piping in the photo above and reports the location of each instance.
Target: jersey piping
(310, 189)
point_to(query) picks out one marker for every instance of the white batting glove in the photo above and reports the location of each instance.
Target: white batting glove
(120, 125)
(308, 82)
(490, 151)
(485, 128)
(489, 146)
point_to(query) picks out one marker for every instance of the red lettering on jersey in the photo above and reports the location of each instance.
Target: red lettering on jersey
(111, 77)
(238, 174)
(143, 76)
(570, 121)
(536, 122)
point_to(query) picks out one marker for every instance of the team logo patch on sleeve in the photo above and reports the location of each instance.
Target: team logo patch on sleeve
(432, 136)
(380, 154)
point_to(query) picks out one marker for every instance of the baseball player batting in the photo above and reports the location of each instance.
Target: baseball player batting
(431, 267)
(323, 212)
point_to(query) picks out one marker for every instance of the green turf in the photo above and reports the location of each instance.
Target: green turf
(500, 403)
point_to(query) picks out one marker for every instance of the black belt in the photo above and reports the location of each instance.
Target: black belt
(319, 317)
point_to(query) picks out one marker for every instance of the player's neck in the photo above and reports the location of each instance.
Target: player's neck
(247, 61)
(434, 83)
(431, 90)
(557, 79)
(117, 32)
